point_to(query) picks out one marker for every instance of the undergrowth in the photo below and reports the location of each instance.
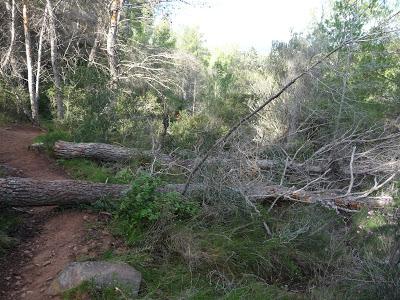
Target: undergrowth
(52, 135)
(89, 290)
(5, 119)
(144, 206)
(185, 250)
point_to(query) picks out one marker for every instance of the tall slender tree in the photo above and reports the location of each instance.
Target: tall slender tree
(39, 55)
(6, 59)
(28, 51)
(54, 60)
(115, 13)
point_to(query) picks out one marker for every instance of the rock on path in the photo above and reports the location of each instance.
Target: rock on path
(101, 272)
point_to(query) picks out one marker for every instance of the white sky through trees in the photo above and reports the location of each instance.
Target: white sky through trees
(249, 23)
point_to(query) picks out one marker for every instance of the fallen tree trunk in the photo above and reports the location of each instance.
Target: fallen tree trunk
(20, 192)
(113, 153)
(352, 201)
(97, 151)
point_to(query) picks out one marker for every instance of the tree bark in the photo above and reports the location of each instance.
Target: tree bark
(39, 55)
(394, 260)
(28, 51)
(93, 51)
(112, 153)
(96, 43)
(54, 61)
(12, 37)
(20, 192)
(97, 151)
(115, 10)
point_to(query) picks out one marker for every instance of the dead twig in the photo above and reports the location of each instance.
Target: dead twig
(244, 120)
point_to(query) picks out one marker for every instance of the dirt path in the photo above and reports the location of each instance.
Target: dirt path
(56, 237)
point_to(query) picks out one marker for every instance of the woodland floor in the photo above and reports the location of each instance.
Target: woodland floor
(49, 237)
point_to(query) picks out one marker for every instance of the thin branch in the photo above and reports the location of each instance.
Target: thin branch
(351, 172)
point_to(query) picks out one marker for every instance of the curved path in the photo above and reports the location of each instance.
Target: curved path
(55, 237)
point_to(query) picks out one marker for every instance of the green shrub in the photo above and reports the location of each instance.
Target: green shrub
(298, 251)
(14, 100)
(89, 290)
(86, 97)
(194, 132)
(5, 119)
(83, 169)
(144, 205)
(52, 136)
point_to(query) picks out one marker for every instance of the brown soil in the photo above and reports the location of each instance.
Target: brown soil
(50, 238)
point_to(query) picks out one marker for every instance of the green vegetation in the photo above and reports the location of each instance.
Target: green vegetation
(186, 251)
(89, 289)
(176, 97)
(144, 206)
(82, 169)
(52, 136)
(5, 119)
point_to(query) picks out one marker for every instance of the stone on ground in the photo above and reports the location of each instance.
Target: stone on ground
(102, 273)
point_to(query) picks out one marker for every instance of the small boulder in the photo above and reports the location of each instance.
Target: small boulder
(102, 273)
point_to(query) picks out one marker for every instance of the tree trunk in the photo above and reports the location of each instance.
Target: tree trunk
(97, 151)
(112, 153)
(21, 192)
(394, 260)
(12, 37)
(28, 51)
(116, 6)
(39, 56)
(54, 61)
(93, 51)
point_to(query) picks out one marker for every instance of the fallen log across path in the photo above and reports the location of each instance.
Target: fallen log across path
(20, 192)
(104, 152)
(114, 153)
(25, 192)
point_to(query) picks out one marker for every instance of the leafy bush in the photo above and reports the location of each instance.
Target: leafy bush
(144, 205)
(52, 136)
(89, 290)
(373, 236)
(14, 100)
(86, 97)
(194, 132)
(83, 169)
(298, 251)
(5, 119)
